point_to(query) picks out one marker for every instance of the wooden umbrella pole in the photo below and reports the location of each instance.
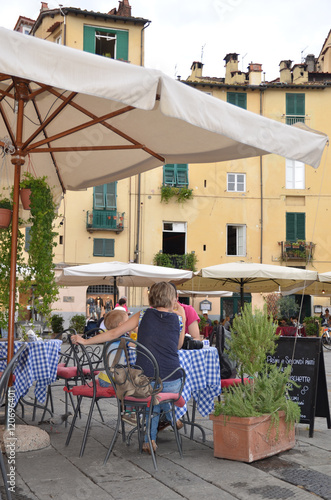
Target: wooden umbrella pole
(18, 161)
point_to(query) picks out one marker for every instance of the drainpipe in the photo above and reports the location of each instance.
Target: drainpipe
(64, 26)
(261, 187)
(137, 250)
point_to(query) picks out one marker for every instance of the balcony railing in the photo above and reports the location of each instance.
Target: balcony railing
(291, 119)
(297, 250)
(104, 220)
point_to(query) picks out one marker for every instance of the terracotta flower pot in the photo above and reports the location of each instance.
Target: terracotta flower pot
(245, 439)
(5, 217)
(25, 198)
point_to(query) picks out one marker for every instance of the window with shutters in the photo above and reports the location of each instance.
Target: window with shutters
(104, 196)
(295, 174)
(236, 182)
(107, 42)
(237, 98)
(295, 226)
(103, 247)
(236, 240)
(175, 175)
(295, 108)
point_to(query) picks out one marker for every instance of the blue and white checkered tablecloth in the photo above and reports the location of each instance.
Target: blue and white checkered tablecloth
(203, 378)
(38, 363)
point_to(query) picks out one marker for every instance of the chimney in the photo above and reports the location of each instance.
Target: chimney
(196, 71)
(300, 73)
(285, 71)
(310, 62)
(231, 66)
(254, 74)
(44, 6)
(124, 8)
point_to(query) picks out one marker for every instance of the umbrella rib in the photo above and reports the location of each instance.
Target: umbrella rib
(84, 148)
(8, 127)
(44, 124)
(110, 127)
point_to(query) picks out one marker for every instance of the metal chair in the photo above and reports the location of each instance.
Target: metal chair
(141, 405)
(87, 362)
(4, 380)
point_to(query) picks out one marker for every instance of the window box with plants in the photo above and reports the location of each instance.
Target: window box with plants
(186, 261)
(181, 194)
(255, 420)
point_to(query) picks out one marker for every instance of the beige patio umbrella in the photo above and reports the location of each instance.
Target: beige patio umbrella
(84, 120)
(246, 277)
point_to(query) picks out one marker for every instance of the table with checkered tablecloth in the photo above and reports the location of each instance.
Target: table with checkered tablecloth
(38, 363)
(202, 378)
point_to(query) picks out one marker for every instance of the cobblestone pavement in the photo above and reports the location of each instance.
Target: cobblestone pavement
(57, 472)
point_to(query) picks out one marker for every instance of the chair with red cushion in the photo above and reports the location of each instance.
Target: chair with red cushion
(142, 405)
(87, 386)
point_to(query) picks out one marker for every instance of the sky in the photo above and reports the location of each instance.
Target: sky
(183, 31)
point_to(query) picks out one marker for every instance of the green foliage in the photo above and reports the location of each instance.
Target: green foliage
(186, 261)
(78, 322)
(183, 194)
(312, 325)
(41, 249)
(5, 256)
(253, 338)
(6, 203)
(57, 323)
(202, 322)
(288, 307)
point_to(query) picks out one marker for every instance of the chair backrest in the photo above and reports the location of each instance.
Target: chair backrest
(227, 365)
(8, 371)
(87, 360)
(143, 372)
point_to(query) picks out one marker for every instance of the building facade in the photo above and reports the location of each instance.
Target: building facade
(256, 209)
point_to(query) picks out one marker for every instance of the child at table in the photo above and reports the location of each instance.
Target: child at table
(161, 330)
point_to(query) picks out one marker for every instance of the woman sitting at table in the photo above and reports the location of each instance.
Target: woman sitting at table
(161, 330)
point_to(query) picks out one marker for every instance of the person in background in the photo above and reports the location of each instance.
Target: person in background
(325, 317)
(226, 323)
(208, 320)
(191, 318)
(161, 330)
(122, 303)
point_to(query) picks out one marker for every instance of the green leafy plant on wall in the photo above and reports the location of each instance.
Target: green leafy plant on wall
(43, 213)
(186, 261)
(182, 194)
(78, 322)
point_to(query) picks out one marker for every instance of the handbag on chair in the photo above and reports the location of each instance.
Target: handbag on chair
(130, 381)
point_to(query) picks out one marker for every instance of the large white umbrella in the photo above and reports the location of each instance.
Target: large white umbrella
(120, 274)
(84, 120)
(246, 277)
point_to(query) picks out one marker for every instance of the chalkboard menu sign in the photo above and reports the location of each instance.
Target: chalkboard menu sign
(308, 371)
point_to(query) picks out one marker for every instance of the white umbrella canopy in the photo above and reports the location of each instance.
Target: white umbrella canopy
(83, 120)
(120, 274)
(320, 288)
(245, 277)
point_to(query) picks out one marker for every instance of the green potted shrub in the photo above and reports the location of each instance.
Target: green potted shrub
(312, 326)
(78, 322)
(256, 419)
(57, 323)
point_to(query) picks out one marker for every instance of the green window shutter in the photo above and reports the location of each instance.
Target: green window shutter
(98, 197)
(295, 226)
(89, 39)
(169, 175)
(98, 247)
(109, 247)
(27, 238)
(122, 45)
(181, 174)
(237, 98)
(111, 195)
(295, 104)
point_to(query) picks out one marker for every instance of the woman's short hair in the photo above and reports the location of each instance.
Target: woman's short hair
(161, 295)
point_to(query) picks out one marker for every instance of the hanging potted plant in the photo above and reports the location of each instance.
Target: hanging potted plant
(6, 207)
(255, 420)
(41, 246)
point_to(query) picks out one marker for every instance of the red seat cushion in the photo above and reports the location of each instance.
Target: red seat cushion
(162, 396)
(71, 371)
(228, 382)
(87, 391)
